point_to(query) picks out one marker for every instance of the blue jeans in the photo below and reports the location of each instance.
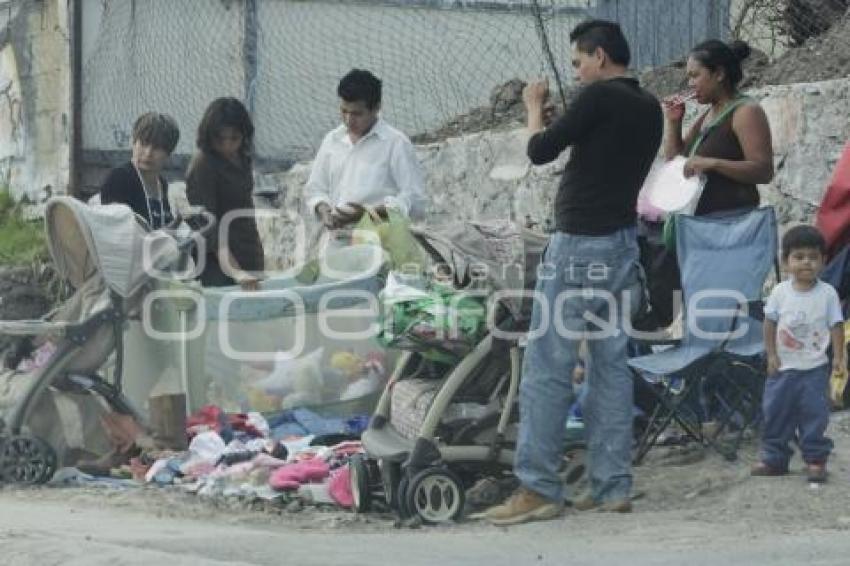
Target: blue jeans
(795, 405)
(580, 277)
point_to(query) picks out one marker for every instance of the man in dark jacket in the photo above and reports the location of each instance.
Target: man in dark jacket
(589, 281)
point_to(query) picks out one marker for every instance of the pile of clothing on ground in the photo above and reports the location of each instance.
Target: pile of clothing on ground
(296, 454)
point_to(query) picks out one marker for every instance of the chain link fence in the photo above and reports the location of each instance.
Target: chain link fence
(777, 25)
(440, 60)
(284, 58)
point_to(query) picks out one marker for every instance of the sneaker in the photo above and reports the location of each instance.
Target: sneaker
(613, 506)
(763, 470)
(816, 473)
(523, 506)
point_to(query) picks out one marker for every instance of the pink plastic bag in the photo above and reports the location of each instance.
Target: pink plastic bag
(645, 210)
(340, 487)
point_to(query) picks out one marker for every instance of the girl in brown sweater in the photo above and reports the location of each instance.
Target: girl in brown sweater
(220, 179)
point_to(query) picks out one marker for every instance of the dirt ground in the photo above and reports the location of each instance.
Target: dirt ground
(691, 501)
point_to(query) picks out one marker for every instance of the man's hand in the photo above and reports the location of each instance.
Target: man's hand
(326, 215)
(535, 94)
(381, 211)
(348, 213)
(549, 113)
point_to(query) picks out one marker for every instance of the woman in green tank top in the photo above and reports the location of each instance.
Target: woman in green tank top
(730, 143)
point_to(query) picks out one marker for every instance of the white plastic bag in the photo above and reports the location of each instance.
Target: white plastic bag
(294, 375)
(667, 188)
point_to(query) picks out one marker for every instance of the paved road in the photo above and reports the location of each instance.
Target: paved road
(43, 533)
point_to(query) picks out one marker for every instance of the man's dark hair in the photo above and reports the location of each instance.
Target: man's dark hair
(802, 236)
(157, 130)
(592, 34)
(360, 85)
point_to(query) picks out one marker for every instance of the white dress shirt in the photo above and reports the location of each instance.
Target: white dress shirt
(380, 168)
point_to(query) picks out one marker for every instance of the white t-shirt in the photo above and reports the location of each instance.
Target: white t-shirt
(381, 168)
(803, 320)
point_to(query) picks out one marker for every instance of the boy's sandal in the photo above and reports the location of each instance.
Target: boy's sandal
(762, 469)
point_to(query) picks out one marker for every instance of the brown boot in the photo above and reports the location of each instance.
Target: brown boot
(614, 506)
(523, 506)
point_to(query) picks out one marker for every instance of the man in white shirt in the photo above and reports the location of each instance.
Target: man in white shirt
(364, 162)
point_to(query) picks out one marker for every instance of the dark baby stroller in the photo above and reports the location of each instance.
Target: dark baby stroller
(445, 422)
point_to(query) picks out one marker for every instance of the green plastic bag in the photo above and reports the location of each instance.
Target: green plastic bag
(668, 233)
(393, 234)
(443, 326)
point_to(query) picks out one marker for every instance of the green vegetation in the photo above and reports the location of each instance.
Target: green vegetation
(22, 242)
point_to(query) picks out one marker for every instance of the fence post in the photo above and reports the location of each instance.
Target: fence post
(250, 52)
(75, 36)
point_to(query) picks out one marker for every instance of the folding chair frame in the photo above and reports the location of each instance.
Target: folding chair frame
(738, 399)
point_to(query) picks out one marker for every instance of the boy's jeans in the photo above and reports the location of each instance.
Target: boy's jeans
(581, 277)
(795, 405)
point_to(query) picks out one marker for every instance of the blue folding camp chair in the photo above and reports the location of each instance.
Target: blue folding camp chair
(715, 372)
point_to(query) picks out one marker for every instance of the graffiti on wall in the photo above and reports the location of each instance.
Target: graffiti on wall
(11, 115)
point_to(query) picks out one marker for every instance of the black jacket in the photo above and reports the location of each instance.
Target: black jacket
(122, 186)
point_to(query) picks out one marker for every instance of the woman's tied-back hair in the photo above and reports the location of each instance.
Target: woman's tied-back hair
(226, 112)
(714, 55)
(157, 130)
(593, 34)
(360, 85)
(802, 236)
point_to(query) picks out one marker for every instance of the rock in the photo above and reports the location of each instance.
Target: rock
(819, 58)
(507, 95)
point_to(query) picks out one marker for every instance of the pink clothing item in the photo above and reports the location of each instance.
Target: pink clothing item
(285, 485)
(38, 359)
(293, 475)
(340, 487)
(207, 418)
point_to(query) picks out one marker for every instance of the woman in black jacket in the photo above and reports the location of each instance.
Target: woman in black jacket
(139, 183)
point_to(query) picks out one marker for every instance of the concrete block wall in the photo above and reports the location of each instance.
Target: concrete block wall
(487, 175)
(35, 105)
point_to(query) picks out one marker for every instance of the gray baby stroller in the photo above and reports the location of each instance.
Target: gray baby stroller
(108, 256)
(445, 422)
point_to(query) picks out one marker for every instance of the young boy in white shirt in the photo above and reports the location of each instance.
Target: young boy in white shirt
(802, 316)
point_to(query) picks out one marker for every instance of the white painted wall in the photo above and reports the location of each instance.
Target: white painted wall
(35, 104)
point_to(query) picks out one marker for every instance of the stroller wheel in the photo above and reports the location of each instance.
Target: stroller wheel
(360, 485)
(27, 460)
(401, 496)
(436, 495)
(390, 482)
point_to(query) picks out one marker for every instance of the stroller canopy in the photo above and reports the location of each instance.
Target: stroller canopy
(499, 251)
(108, 240)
